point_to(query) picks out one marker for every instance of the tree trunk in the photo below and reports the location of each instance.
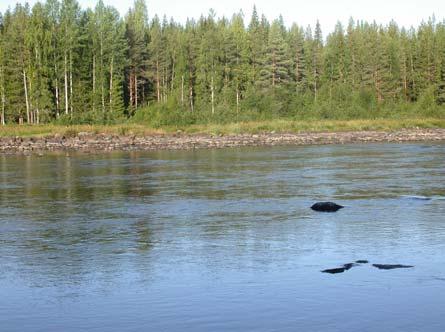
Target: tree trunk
(57, 99)
(2, 91)
(158, 83)
(66, 83)
(103, 98)
(192, 107)
(28, 115)
(273, 69)
(405, 81)
(94, 83)
(56, 83)
(191, 98)
(237, 99)
(31, 108)
(3, 109)
(297, 68)
(413, 81)
(71, 82)
(102, 83)
(182, 90)
(131, 89)
(136, 91)
(213, 97)
(111, 84)
(315, 84)
(163, 88)
(172, 83)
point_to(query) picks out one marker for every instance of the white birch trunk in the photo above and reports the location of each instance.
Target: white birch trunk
(71, 83)
(191, 99)
(182, 90)
(3, 120)
(111, 84)
(237, 99)
(66, 84)
(213, 97)
(94, 83)
(28, 118)
(136, 91)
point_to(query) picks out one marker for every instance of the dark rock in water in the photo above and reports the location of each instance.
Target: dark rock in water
(391, 267)
(335, 271)
(362, 262)
(345, 267)
(326, 207)
(349, 266)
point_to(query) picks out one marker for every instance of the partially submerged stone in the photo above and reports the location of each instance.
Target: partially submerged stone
(335, 271)
(348, 266)
(345, 267)
(326, 207)
(391, 266)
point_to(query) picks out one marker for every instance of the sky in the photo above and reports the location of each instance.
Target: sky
(304, 12)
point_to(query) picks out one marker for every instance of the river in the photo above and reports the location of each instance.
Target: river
(224, 240)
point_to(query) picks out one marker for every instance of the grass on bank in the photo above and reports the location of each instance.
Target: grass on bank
(251, 127)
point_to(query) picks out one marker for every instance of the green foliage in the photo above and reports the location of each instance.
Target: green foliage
(61, 64)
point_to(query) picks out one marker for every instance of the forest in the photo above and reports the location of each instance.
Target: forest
(63, 64)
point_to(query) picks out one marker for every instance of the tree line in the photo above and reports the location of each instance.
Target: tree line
(60, 63)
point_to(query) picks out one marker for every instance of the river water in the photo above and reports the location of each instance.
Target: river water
(224, 240)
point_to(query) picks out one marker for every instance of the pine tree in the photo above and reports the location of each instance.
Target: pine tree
(296, 42)
(137, 39)
(52, 8)
(317, 58)
(236, 65)
(334, 73)
(93, 65)
(2, 75)
(256, 42)
(277, 65)
(17, 63)
(69, 25)
(39, 43)
(441, 57)
(209, 73)
(157, 57)
(426, 54)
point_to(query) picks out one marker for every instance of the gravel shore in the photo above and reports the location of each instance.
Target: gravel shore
(89, 142)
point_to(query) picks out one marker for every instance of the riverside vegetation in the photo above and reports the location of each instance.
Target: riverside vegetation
(63, 65)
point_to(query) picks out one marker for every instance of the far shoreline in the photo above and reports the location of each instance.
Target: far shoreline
(90, 142)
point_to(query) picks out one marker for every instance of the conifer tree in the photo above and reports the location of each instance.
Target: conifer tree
(137, 39)
(2, 75)
(296, 44)
(277, 65)
(69, 24)
(92, 65)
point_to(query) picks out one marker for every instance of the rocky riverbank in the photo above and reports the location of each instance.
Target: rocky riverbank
(89, 142)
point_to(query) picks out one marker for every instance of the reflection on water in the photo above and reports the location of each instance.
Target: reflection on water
(223, 240)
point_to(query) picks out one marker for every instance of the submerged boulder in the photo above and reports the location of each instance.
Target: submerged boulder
(391, 266)
(345, 267)
(326, 207)
(335, 271)
(348, 266)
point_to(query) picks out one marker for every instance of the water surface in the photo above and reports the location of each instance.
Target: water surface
(224, 240)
